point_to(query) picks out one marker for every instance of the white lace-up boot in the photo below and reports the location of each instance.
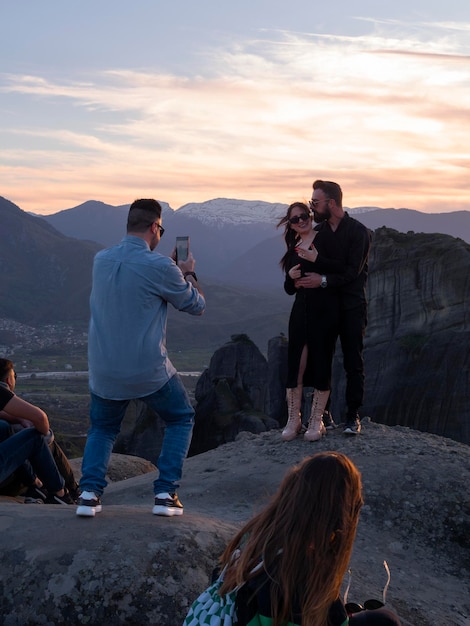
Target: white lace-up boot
(294, 403)
(316, 428)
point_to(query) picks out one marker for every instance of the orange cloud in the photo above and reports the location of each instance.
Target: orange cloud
(385, 116)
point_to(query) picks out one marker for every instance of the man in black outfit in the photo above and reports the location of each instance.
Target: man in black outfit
(344, 238)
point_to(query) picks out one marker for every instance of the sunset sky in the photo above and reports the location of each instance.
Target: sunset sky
(187, 101)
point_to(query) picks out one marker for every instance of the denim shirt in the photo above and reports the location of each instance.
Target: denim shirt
(132, 286)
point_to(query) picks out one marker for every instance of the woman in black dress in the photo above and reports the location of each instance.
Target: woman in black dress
(313, 323)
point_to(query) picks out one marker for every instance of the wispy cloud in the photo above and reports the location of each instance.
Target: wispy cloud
(384, 114)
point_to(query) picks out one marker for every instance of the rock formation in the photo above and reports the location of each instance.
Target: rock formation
(141, 432)
(231, 395)
(417, 354)
(239, 391)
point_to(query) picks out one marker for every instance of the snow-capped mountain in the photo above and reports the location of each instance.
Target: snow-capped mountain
(237, 240)
(222, 212)
(225, 211)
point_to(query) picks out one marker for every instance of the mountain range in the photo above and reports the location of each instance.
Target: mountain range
(45, 279)
(44, 275)
(236, 241)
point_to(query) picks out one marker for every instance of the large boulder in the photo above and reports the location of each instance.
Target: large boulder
(123, 567)
(277, 377)
(231, 395)
(142, 432)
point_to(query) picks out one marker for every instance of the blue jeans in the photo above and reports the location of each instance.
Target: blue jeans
(24, 474)
(29, 445)
(172, 404)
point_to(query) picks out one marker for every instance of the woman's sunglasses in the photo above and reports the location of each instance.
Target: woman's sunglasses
(369, 605)
(303, 216)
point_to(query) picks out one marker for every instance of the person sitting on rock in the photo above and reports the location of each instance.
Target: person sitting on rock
(29, 445)
(292, 556)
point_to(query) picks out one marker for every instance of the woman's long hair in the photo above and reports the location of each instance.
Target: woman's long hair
(290, 236)
(304, 537)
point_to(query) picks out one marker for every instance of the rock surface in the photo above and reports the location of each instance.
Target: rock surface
(128, 567)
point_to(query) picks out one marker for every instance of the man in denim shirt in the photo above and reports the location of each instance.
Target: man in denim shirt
(127, 357)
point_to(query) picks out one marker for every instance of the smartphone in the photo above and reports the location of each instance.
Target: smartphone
(182, 248)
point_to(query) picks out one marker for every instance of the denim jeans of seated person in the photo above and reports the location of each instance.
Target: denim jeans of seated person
(172, 404)
(5, 430)
(30, 445)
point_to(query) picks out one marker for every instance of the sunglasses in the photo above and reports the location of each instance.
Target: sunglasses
(368, 605)
(315, 203)
(303, 216)
(160, 228)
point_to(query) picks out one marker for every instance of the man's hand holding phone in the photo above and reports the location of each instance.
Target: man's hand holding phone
(182, 255)
(182, 249)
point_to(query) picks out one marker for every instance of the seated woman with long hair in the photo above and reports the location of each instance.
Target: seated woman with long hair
(304, 539)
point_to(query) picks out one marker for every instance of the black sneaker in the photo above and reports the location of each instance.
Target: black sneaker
(353, 425)
(167, 505)
(88, 504)
(55, 499)
(328, 421)
(35, 495)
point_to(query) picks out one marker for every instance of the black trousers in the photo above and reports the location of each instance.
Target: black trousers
(352, 329)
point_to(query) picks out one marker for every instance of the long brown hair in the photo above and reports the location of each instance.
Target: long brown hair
(304, 537)
(5, 368)
(290, 236)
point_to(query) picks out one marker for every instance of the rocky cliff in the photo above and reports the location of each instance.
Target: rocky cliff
(417, 356)
(417, 353)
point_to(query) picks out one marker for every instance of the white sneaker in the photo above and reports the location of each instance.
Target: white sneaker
(167, 505)
(88, 504)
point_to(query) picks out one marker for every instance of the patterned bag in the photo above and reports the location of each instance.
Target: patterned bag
(211, 609)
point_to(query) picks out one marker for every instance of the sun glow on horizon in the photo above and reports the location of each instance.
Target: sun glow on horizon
(259, 120)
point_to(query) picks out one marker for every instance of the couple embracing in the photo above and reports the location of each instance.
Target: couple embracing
(326, 267)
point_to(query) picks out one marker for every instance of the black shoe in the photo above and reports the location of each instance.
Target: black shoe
(35, 495)
(328, 421)
(55, 499)
(353, 425)
(167, 505)
(88, 504)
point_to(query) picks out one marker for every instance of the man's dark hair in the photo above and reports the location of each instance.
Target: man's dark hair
(142, 214)
(330, 189)
(5, 368)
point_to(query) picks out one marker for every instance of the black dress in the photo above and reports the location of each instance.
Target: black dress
(314, 321)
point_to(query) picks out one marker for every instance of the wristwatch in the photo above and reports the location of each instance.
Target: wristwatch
(193, 274)
(324, 282)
